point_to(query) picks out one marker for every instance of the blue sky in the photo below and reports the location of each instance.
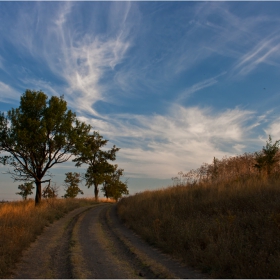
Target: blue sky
(173, 84)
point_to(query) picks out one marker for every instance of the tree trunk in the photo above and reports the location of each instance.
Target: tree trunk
(96, 192)
(38, 193)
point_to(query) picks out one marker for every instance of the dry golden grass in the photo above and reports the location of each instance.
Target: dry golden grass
(21, 222)
(227, 229)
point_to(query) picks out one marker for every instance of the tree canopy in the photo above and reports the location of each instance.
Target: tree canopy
(38, 134)
(72, 181)
(25, 190)
(91, 153)
(268, 157)
(113, 187)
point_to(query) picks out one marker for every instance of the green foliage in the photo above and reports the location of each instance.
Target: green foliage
(72, 185)
(97, 159)
(113, 187)
(25, 190)
(37, 135)
(268, 157)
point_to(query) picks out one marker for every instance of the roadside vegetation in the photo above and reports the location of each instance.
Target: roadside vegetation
(222, 218)
(21, 223)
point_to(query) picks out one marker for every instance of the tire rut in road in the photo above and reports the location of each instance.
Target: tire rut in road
(128, 255)
(156, 263)
(97, 253)
(110, 250)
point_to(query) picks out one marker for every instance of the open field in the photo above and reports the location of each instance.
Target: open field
(21, 222)
(228, 229)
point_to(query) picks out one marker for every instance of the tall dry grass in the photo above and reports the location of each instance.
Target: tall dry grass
(21, 222)
(228, 228)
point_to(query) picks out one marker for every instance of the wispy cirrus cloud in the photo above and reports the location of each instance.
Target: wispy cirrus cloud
(199, 86)
(266, 51)
(227, 34)
(273, 129)
(78, 57)
(7, 93)
(161, 145)
(84, 60)
(90, 61)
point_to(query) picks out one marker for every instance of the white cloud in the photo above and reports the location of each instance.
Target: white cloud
(159, 146)
(265, 51)
(239, 148)
(84, 60)
(78, 58)
(7, 93)
(198, 86)
(227, 34)
(274, 129)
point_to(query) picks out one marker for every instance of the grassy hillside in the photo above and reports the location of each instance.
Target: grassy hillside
(228, 228)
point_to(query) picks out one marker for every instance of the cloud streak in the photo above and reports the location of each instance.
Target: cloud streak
(84, 60)
(7, 93)
(265, 52)
(77, 58)
(159, 146)
(199, 86)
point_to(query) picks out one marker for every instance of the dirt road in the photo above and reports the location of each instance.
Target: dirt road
(91, 242)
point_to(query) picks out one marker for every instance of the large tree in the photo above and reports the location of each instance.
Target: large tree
(37, 135)
(91, 153)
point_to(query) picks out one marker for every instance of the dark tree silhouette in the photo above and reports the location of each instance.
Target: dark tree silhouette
(25, 190)
(268, 156)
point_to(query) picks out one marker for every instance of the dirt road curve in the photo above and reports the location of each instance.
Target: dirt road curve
(90, 242)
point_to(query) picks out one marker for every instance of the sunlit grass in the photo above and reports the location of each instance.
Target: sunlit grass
(227, 229)
(21, 222)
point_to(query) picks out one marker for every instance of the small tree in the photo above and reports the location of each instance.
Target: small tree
(90, 153)
(268, 157)
(25, 190)
(72, 185)
(113, 187)
(50, 191)
(37, 135)
(214, 174)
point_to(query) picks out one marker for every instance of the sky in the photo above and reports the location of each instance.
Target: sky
(172, 84)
